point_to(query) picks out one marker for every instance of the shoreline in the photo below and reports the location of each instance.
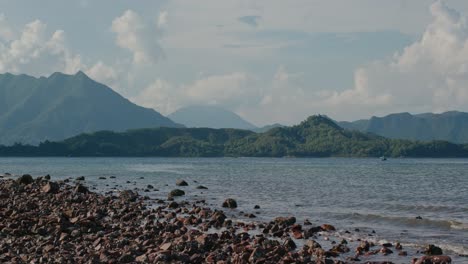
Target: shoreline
(65, 222)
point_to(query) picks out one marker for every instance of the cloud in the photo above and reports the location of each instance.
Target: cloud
(37, 53)
(230, 90)
(250, 20)
(139, 37)
(6, 33)
(431, 74)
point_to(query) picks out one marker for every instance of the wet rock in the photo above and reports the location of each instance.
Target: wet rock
(230, 203)
(173, 205)
(257, 207)
(181, 183)
(433, 260)
(47, 177)
(81, 189)
(128, 195)
(398, 246)
(327, 227)
(50, 187)
(25, 179)
(126, 258)
(307, 222)
(175, 193)
(289, 244)
(285, 220)
(386, 251)
(112, 177)
(102, 178)
(80, 178)
(201, 187)
(433, 250)
(150, 186)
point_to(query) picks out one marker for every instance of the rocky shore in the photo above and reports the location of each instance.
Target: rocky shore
(43, 221)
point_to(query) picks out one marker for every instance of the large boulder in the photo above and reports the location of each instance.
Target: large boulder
(25, 179)
(230, 203)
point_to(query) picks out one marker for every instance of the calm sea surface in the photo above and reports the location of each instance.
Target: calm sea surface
(368, 194)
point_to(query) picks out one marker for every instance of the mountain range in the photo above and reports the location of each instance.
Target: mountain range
(450, 126)
(318, 136)
(209, 117)
(33, 110)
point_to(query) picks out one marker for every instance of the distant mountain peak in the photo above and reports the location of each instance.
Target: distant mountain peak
(209, 116)
(62, 105)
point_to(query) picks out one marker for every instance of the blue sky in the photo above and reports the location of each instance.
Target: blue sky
(269, 61)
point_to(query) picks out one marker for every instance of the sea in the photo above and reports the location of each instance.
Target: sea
(411, 201)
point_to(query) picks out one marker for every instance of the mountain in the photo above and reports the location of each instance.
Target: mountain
(209, 116)
(266, 128)
(450, 126)
(54, 108)
(318, 136)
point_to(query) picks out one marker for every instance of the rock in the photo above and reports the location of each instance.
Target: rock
(419, 218)
(327, 227)
(126, 258)
(81, 189)
(257, 207)
(175, 193)
(112, 177)
(102, 178)
(230, 203)
(201, 187)
(47, 177)
(25, 179)
(150, 186)
(433, 250)
(128, 195)
(289, 244)
(307, 222)
(181, 183)
(142, 259)
(433, 260)
(285, 220)
(398, 246)
(165, 246)
(81, 178)
(173, 205)
(50, 187)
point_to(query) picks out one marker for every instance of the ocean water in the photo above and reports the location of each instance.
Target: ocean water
(367, 194)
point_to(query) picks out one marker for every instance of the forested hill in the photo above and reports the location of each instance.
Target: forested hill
(318, 136)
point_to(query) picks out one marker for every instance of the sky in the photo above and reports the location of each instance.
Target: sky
(270, 61)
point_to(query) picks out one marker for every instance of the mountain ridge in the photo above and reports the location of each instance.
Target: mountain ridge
(450, 126)
(35, 109)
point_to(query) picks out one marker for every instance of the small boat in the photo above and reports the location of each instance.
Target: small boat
(383, 158)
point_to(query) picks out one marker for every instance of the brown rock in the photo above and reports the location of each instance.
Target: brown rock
(230, 203)
(327, 227)
(50, 187)
(433, 260)
(286, 220)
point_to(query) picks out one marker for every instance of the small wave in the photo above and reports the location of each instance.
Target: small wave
(168, 168)
(409, 221)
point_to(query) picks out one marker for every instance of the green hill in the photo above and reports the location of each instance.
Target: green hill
(60, 106)
(318, 136)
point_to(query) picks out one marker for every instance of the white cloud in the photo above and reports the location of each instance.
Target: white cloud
(230, 90)
(429, 75)
(34, 52)
(140, 38)
(6, 33)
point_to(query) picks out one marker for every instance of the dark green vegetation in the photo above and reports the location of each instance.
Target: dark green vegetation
(209, 116)
(60, 106)
(450, 126)
(318, 136)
